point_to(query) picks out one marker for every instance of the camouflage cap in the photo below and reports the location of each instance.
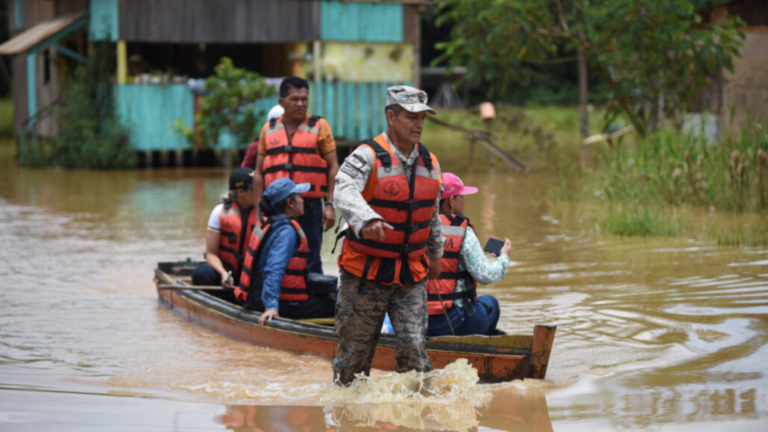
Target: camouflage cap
(412, 99)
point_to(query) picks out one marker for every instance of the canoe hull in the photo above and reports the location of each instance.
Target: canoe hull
(493, 364)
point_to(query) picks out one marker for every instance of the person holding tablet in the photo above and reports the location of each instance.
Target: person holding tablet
(452, 302)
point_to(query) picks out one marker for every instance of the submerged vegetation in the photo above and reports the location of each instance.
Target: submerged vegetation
(644, 184)
(6, 117)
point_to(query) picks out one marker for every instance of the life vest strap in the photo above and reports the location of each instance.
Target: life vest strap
(291, 272)
(410, 228)
(402, 249)
(468, 294)
(290, 149)
(425, 156)
(402, 205)
(451, 255)
(292, 167)
(313, 120)
(230, 251)
(454, 275)
(381, 154)
(284, 290)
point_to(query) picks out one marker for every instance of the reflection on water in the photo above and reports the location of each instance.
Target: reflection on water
(652, 333)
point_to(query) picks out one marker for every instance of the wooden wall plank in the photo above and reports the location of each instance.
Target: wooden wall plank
(19, 90)
(208, 21)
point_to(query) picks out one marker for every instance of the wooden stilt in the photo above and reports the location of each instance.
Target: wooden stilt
(147, 159)
(179, 158)
(164, 158)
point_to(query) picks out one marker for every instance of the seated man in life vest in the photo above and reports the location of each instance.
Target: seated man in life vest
(463, 266)
(274, 279)
(229, 229)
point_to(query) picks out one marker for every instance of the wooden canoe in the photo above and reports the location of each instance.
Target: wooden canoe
(496, 358)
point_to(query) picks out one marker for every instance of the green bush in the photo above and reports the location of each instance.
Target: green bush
(228, 106)
(90, 135)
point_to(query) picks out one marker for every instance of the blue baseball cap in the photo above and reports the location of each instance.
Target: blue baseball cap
(281, 189)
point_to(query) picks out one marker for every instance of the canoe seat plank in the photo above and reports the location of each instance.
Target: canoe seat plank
(321, 321)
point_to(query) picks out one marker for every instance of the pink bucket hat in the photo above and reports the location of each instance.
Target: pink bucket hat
(452, 186)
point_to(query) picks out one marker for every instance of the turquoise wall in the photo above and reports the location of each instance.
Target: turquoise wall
(104, 20)
(355, 111)
(361, 22)
(149, 110)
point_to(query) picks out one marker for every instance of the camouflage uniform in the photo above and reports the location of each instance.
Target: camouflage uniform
(359, 316)
(360, 310)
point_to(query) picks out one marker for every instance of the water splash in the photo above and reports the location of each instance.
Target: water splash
(457, 381)
(444, 399)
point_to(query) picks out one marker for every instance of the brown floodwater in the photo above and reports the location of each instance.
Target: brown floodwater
(657, 334)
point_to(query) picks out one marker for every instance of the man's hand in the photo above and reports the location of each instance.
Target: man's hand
(374, 230)
(268, 315)
(434, 271)
(329, 217)
(226, 281)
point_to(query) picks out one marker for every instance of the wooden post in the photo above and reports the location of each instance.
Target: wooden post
(317, 61)
(179, 158)
(148, 159)
(31, 88)
(584, 114)
(164, 158)
(122, 62)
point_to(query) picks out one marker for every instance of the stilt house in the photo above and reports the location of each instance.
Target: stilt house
(350, 51)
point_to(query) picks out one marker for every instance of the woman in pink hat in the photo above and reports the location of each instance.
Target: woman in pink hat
(463, 266)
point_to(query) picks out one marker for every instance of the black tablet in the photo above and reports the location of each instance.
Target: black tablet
(494, 246)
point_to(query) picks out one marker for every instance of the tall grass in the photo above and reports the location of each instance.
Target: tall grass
(671, 168)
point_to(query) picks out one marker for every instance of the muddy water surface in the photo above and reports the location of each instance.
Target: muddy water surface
(652, 334)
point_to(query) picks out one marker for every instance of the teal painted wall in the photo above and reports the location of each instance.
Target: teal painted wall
(104, 20)
(361, 22)
(149, 110)
(355, 111)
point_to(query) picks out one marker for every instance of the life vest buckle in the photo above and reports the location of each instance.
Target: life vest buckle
(407, 205)
(288, 167)
(288, 148)
(412, 228)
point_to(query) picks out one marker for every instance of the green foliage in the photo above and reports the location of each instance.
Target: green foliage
(90, 135)
(227, 107)
(6, 118)
(640, 50)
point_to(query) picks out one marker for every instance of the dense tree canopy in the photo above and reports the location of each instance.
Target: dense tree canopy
(659, 54)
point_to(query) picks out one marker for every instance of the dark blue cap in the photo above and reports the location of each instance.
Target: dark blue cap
(281, 189)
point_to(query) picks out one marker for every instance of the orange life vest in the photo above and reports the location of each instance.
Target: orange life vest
(407, 206)
(454, 228)
(235, 231)
(296, 158)
(294, 285)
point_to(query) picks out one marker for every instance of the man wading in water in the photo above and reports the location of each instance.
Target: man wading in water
(391, 203)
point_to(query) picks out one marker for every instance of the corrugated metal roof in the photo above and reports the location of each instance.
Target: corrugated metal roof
(23, 42)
